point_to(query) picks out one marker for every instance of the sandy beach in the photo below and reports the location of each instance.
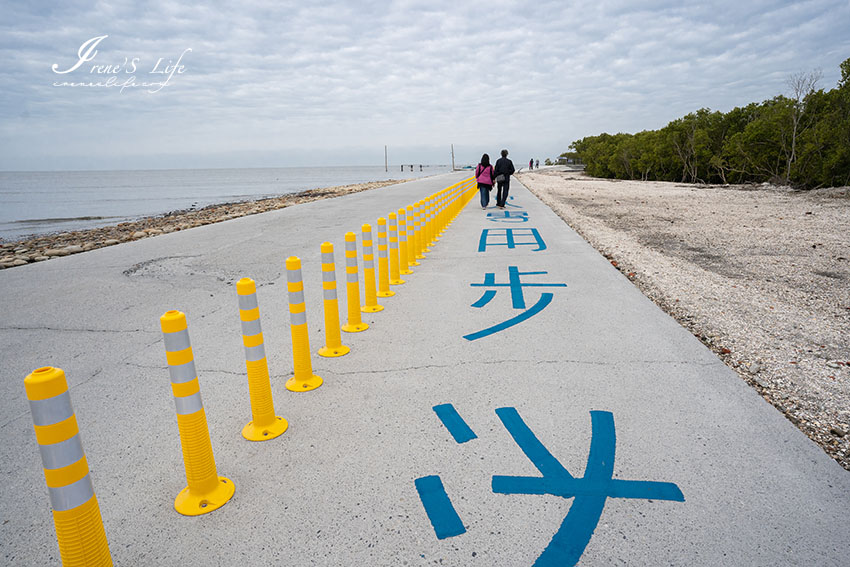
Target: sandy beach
(44, 247)
(760, 274)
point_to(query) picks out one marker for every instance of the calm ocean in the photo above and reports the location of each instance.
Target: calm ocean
(52, 201)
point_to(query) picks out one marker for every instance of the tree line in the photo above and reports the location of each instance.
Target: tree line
(802, 140)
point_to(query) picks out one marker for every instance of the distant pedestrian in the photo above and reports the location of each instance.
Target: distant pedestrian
(537, 164)
(531, 163)
(484, 176)
(504, 169)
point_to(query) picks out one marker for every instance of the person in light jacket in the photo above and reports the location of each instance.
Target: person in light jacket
(504, 169)
(484, 176)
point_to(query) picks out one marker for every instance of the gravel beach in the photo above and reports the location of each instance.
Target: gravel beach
(43, 247)
(760, 274)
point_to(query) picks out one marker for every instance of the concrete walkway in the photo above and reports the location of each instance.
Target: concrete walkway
(517, 402)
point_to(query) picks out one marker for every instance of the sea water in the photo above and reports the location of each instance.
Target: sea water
(42, 202)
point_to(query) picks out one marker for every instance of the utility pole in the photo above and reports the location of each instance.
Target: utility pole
(386, 164)
(453, 157)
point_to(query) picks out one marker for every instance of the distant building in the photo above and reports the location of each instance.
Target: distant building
(565, 160)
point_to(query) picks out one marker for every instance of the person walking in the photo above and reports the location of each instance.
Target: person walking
(504, 169)
(531, 163)
(484, 176)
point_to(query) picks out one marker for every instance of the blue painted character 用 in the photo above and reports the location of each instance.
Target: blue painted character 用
(516, 286)
(511, 238)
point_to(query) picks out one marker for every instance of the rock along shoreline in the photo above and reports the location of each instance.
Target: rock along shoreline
(40, 248)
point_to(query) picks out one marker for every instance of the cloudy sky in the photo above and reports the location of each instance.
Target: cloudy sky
(279, 83)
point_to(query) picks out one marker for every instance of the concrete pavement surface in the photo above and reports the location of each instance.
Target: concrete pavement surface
(517, 402)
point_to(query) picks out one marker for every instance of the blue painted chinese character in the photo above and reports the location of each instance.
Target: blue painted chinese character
(508, 216)
(438, 506)
(511, 236)
(517, 299)
(511, 198)
(589, 492)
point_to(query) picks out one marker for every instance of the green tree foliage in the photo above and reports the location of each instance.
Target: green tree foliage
(801, 140)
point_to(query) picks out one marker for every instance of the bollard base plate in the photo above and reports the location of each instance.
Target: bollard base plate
(359, 327)
(405, 272)
(371, 308)
(397, 282)
(191, 503)
(329, 352)
(386, 293)
(253, 432)
(303, 385)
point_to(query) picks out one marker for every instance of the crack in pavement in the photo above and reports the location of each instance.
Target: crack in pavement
(70, 387)
(164, 368)
(534, 362)
(71, 330)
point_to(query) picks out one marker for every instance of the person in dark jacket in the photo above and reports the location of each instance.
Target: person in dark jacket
(504, 168)
(484, 176)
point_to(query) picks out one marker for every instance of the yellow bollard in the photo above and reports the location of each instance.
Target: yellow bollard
(432, 210)
(403, 244)
(355, 323)
(435, 215)
(412, 250)
(264, 424)
(333, 341)
(438, 219)
(383, 261)
(447, 204)
(433, 224)
(395, 277)
(304, 380)
(425, 224)
(76, 514)
(432, 220)
(206, 491)
(417, 229)
(369, 294)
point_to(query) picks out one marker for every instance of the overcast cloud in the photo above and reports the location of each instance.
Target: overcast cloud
(300, 83)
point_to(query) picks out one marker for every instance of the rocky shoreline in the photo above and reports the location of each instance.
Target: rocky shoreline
(44, 247)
